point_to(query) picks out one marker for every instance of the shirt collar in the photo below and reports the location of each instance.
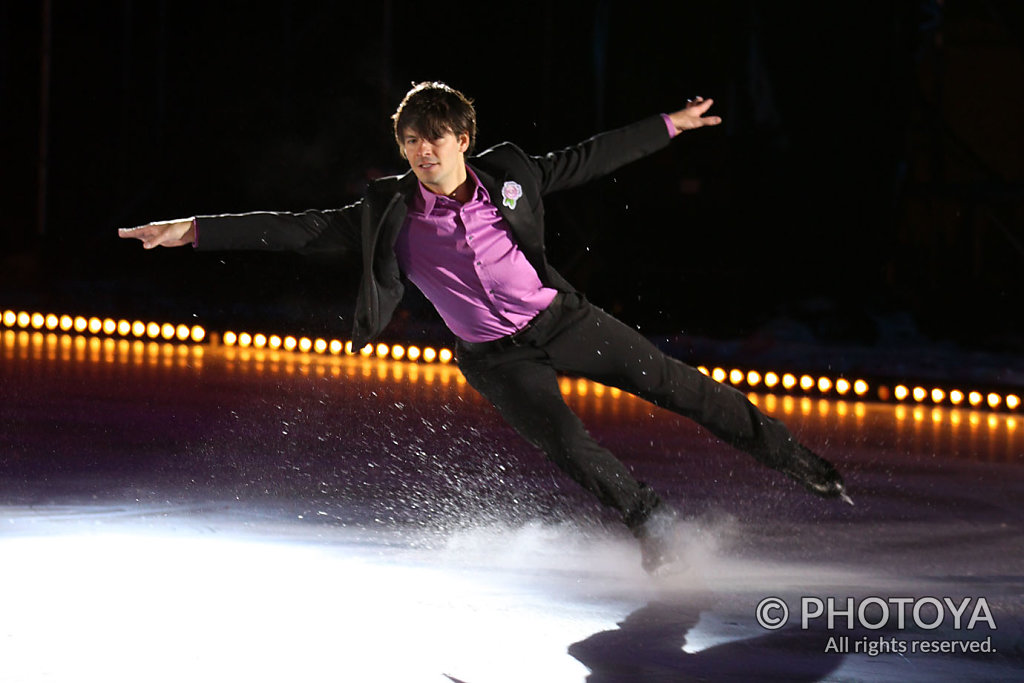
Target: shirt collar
(425, 199)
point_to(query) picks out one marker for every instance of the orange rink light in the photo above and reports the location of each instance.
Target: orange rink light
(841, 387)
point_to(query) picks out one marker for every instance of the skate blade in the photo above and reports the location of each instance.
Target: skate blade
(674, 567)
(845, 498)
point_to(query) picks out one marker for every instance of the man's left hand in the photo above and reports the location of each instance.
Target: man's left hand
(693, 115)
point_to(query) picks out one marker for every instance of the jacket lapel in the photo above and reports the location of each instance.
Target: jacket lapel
(520, 219)
(393, 216)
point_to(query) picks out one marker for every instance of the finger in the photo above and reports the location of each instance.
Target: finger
(700, 107)
(141, 232)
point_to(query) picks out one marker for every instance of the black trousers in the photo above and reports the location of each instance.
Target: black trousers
(518, 375)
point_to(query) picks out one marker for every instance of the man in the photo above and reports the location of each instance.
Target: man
(469, 232)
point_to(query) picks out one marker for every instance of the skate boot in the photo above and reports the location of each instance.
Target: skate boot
(815, 474)
(656, 535)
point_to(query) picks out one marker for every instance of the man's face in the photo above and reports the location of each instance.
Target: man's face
(440, 163)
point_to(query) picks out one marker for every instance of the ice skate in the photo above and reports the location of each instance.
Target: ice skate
(815, 474)
(659, 548)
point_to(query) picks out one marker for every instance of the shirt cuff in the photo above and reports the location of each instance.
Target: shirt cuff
(672, 132)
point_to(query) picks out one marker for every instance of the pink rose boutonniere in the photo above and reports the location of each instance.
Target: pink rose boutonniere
(511, 192)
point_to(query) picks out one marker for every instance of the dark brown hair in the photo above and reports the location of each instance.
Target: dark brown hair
(432, 109)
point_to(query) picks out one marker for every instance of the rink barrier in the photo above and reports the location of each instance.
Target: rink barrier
(750, 380)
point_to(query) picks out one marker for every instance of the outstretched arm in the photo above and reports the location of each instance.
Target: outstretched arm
(334, 231)
(606, 152)
(692, 116)
(175, 233)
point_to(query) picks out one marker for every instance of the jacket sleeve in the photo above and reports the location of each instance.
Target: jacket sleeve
(334, 231)
(600, 155)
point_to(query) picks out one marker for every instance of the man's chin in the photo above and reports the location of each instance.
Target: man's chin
(424, 177)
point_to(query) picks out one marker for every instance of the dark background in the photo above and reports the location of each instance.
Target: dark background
(866, 184)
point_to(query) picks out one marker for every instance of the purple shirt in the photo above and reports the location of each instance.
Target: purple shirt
(465, 261)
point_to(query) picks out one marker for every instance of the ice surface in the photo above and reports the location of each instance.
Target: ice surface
(341, 519)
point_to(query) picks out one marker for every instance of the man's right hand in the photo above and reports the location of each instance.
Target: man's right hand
(175, 233)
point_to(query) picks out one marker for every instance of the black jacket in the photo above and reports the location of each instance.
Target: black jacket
(369, 227)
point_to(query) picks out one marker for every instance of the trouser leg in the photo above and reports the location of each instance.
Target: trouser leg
(578, 338)
(591, 343)
(523, 386)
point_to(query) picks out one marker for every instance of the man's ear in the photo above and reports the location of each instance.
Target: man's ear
(463, 139)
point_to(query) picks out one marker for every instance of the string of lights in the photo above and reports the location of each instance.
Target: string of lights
(772, 382)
